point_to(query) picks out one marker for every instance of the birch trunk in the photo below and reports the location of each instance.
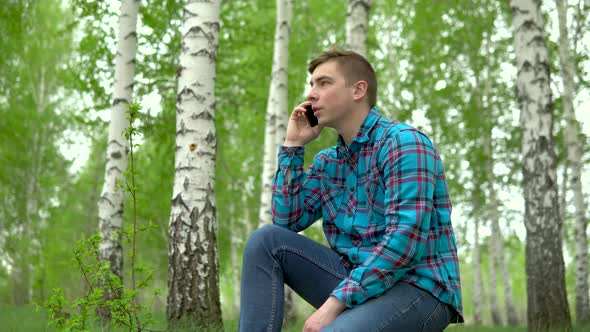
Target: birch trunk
(491, 208)
(235, 274)
(493, 294)
(511, 314)
(547, 299)
(281, 47)
(276, 108)
(20, 280)
(477, 281)
(32, 249)
(574, 156)
(110, 204)
(497, 246)
(193, 267)
(357, 25)
(234, 243)
(28, 252)
(276, 122)
(563, 208)
(498, 254)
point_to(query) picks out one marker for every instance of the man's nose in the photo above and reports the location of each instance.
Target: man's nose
(312, 95)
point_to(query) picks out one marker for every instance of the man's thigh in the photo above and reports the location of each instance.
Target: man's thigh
(309, 268)
(402, 308)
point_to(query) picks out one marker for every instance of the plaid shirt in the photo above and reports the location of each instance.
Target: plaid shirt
(385, 209)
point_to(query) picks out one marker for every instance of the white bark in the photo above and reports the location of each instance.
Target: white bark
(493, 294)
(276, 122)
(193, 279)
(357, 25)
(276, 109)
(547, 300)
(563, 207)
(234, 244)
(496, 249)
(32, 249)
(235, 274)
(110, 204)
(497, 255)
(477, 281)
(574, 157)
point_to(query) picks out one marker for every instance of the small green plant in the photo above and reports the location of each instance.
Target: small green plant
(125, 309)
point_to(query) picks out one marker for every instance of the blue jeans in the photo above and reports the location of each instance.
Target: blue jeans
(274, 256)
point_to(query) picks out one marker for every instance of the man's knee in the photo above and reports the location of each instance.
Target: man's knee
(261, 238)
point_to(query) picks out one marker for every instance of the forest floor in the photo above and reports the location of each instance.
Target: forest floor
(27, 319)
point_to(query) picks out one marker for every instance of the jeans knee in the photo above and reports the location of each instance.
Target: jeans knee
(260, 238)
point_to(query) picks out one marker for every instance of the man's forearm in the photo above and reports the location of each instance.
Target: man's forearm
(334, 305)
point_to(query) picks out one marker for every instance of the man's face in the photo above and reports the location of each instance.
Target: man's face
(331, 99)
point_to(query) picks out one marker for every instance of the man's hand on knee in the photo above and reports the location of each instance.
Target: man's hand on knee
(325, 315)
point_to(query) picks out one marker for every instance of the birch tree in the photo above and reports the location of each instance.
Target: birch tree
(477, 281)
(357, 25)
(276, 122)
(110, 204)
(36, 46)
(547, 300)
(276, 108)
(493, 296)
(497, 256)
(574, 158)
(235, 242)
(193, 267)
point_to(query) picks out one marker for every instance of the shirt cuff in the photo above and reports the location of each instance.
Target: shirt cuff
(350, 293)
(291, 155)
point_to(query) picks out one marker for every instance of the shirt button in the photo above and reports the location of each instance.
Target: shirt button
(352, 189)
(350, 213)
(354, 302)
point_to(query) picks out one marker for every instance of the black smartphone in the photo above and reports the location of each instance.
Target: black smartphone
(313, 121)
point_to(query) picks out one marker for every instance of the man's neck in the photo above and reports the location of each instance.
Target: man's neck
(352, 124)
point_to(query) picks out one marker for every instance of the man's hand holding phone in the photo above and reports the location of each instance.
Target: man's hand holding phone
(302, 128)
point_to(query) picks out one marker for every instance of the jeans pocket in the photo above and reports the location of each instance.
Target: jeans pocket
(438, 319)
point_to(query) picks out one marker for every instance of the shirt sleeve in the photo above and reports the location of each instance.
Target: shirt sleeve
(296, 202)
(409, 174)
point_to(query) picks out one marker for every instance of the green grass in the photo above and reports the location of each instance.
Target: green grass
(471, 328)
(27, 319)
(22, 318)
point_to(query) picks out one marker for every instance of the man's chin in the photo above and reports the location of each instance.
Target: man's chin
(325, 123)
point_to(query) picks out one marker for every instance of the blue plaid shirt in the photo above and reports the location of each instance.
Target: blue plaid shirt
(385, 209)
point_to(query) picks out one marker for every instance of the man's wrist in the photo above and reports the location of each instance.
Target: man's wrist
(335, 305)
(288, 143)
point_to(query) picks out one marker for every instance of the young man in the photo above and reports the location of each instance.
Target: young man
(382, 195)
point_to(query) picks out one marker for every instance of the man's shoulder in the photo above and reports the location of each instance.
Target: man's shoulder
(387, 128)
(397, 132)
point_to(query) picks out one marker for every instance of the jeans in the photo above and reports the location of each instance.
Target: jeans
(274, 256)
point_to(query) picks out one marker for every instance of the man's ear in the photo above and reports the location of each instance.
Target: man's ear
(359, 90)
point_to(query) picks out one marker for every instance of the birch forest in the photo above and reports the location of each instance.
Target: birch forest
(138, 143)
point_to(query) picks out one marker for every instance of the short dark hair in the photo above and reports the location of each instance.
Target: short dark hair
(354, 68)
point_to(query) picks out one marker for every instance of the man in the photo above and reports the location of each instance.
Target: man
(381, 193)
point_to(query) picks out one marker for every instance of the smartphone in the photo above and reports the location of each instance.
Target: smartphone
(313, 121)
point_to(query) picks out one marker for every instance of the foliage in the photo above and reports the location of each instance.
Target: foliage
(124, 308)
(36, 46)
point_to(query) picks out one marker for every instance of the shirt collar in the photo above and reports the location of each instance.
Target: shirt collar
(363, 134)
